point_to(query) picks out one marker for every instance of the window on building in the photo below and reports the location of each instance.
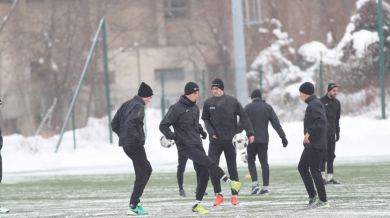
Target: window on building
(176, 9)
(176, 74)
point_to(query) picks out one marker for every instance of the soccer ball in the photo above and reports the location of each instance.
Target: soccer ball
(166, 142)
(240, 141)
(244, 157)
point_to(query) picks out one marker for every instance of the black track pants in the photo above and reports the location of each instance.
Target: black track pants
(311, 159)
(261, 150)
(1, 168)
(142, 169)
(180, 169)
(329, 155)
(202, 165)
(215, 152)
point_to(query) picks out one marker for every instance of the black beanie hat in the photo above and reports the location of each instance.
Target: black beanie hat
(217, 83)
(307, 88)
(256, 94)
(190, 88)
(331, 86)
(144, 90)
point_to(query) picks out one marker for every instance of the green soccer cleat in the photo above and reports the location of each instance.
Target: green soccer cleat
(132, 212)
(3, 210)
(198, 208)
(141, 210)
(312, 201)
(320, 204)
(236, 186)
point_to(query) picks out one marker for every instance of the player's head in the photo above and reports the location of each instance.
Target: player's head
(306, 89)
(332, 90)
(145, 92)
(256, 94)
(191, 91)
(217, 87)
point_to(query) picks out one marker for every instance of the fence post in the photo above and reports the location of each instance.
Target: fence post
(381, 59)
(204, 86)
(261, 78)
(162, 95)
(73, 124)
(320, 74)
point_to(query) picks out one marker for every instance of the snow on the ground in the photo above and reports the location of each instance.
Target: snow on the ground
(362, 139)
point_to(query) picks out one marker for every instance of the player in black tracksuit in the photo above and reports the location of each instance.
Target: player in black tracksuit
(128, 124)
(333, 109)
(220, 116)
(260, 115)
(315, 128)
(2, 210)
(184, 117)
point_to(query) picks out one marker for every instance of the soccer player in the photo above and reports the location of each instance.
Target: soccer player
(128, 124)
(314, 142)
(2, 210)
(220, 117)
(332, 109)
(260, 115)
(184, 117)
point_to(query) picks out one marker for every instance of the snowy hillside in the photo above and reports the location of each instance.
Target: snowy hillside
(361, 139)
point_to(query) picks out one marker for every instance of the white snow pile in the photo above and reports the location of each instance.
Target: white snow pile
(94, 153)
(282, 86)
(282, 77)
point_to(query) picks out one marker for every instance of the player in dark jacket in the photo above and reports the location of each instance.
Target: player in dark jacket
(315, 128)
(128, 124)
(220, 117)
(2, 210)
(184, 117)
(261, 114)
(333, 109)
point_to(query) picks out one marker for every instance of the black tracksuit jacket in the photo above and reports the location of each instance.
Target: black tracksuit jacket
(220, 117)
(185, 121)
(260, 114)
(315, 123)
(128, 122)
(332, 109)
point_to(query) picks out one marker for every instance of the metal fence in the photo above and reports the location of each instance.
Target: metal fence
(359, 94)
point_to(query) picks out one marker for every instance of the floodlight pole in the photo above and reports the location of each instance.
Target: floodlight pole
(239, 52)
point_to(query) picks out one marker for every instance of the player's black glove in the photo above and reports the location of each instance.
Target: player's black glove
(203, 134)
(337, 136)
(285, 142)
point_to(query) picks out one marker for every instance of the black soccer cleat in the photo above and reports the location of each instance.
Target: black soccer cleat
(332, 182)
(182, 193)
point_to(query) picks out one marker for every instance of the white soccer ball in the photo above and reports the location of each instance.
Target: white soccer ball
(244, 157)
(240, 141)
(166, 142)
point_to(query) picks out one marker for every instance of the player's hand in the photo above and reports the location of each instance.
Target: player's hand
(214, 136)
(284, 142)
(251, 139)
(306, 139)
(337, 136)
